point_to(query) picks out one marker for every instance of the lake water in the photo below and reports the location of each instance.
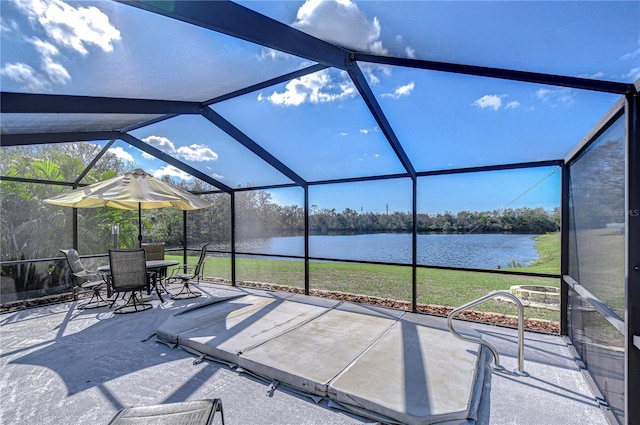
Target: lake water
(473, 250)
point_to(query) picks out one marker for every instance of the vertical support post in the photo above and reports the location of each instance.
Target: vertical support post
(140, 225)
(306, 240)
(414, 247)
(184, 237)
(632, 260)
(564, 250)
(233, 238)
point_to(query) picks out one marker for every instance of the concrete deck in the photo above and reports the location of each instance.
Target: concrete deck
(64, 365)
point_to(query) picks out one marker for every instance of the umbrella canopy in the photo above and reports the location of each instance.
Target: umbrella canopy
(134, 190)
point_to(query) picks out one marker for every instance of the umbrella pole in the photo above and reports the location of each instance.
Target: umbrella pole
(139, 225)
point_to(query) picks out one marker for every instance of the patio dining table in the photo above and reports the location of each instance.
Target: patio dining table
(159, 266)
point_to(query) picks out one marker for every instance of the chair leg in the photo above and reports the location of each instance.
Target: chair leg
(99, 301)
(217, 407)
(185, 292)
(134, 302)
(155, 285)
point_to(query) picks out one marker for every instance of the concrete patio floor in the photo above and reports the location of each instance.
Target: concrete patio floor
(63, 365)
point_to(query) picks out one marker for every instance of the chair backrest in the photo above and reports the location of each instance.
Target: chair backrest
(155, 251)
(75, 266)
(203, 255)
(128, 269)
(73, 260)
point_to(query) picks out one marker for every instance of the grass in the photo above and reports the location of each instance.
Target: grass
(548, 247)
(434, 286)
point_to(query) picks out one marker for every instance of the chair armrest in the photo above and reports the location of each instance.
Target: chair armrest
(182, 269)
(90, 276)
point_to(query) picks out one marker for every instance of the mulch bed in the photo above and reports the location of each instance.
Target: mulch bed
(476, 316)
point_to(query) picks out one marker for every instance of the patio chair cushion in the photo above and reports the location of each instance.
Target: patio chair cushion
(186, 412)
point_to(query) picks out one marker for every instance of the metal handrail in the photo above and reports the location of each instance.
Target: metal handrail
(496, 365)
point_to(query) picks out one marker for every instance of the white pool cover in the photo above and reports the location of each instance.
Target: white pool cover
(404, 367)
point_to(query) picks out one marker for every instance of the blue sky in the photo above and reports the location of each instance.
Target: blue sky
(318, 125)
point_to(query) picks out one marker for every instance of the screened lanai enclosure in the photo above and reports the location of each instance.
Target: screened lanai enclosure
(424, 153)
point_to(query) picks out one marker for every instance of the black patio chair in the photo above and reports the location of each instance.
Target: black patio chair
(197, 412)
(186, 274)
(86, 279)
(128, 274)
(155, 251)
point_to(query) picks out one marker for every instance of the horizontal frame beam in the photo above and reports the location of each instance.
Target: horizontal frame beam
(505, 74)
(25, 139)
(480, 169)
(29, 103)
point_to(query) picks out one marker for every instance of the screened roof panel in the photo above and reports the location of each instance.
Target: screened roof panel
(592, 39)
(449, 121)
(197, 142)
(317, 125)
(112, 49)
(64, 123)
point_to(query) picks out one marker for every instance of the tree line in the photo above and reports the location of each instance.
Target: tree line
(266, 219)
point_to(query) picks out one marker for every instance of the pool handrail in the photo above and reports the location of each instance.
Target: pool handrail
(496, 364)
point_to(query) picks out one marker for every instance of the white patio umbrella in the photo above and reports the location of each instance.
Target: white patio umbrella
(134, 190)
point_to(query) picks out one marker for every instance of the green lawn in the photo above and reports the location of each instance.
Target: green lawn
(548, 246)
(434, 286)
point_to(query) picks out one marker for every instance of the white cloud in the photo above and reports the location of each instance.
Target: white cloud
(543, 94)
(318, 87)
(632, 55)
(171, 171)
(410, 52)
(272, 55)
(73, 27)
(340, 22)
(401, 91)
(56, 72)
(492, 101)
(26, 76)
(369, 156)
(8, 26)
(199, 153)
(595, 76)
(43, 47)
(633, 74)
(120, 153)
(364, 131)
(68, 28)
(512, 105)
(564, 96)
(161, 143)
(195, 152)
